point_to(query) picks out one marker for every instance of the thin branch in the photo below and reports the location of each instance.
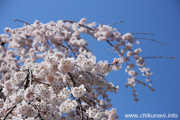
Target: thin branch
(108, 41)
(141, 82)
(21, 84)
(2, 96)
(87, 115)
(144, 33)
(70, 48)
(78, 100)
(78, 24)
(39, 115)
(41, 82)
(31, 76)
(81, 114)
(116, 23)
(85, 101)
(72, 79)
(1, 88)
(9, 112)
(151, 40)
(26, 83)
(70, 90)
(16, 20)
(172, 58)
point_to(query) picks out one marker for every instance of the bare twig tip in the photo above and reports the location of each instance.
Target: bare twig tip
(135, 99)
(152, 89)
(172, 58)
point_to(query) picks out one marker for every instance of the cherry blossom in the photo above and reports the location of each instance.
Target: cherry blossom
(48, 72)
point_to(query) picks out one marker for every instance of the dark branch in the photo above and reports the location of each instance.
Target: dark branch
(78, 24)
(70, 48)
(41, 82)
(116, 23)
(151, 40)
(144, 33)
(72, 79)
(26, 83)
(9, 112)
(31, 76)
(81, 114)
(78, 100)
(16, 20)
(172, 58)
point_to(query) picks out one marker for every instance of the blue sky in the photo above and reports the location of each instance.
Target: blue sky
(161, 17)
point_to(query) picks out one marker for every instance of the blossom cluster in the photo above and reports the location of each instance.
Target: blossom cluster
(68, 106)
(48, 72)
(78, 91)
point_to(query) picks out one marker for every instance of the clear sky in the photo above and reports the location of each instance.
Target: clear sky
(161, 17)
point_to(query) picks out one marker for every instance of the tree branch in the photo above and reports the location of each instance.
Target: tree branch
(9, 112)
(78, 24)
(70, 48)
(152, 40)
(172, 58)
(78, 100)
(16, 20)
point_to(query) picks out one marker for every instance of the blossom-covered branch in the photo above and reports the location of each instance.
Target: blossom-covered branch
(40, 79)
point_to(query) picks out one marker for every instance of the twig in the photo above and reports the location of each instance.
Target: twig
(70, 48)
(72, 79)
(172, 58)
(141, 82)
(78, 100)
(70, 90)
(9, 112)
(81, 114)
(1, 88)
(41, 82)
(108, 41)
(31, 76)
(21, 84)
(87, 115)
(39, 115)
(26, 83)
(78, 24)
(144, 33)
(152, 40)
(116, 23)
(85, 101)
(16, 20)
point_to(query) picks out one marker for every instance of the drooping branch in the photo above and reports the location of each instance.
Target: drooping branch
(172, 58)
(151, 40)
(143, 33)
(51, 71)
